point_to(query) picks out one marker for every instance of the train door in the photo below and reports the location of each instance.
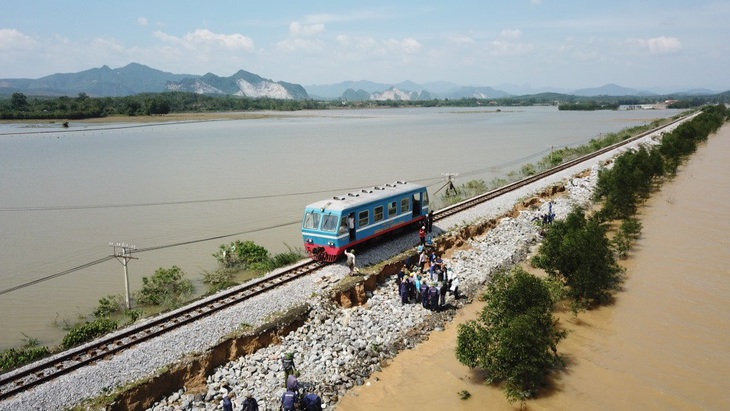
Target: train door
(351, 225)
(416, 205)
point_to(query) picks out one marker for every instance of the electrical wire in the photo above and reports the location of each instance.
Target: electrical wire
(217, 237)
(52, 276)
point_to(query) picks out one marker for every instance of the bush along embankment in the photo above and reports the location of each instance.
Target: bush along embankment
(515, 336)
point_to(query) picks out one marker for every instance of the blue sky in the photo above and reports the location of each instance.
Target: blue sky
(557, 43)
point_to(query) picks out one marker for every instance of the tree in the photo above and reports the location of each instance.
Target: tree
(628, 182)
(515, 337)
(18, 102)
(577, 251)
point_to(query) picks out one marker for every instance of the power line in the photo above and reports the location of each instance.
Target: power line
(52, 276)
(141, 250)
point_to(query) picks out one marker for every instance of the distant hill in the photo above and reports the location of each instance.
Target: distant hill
(97, 82)
(611, 90)
(406, 90)
(136, 78)
(242, 84)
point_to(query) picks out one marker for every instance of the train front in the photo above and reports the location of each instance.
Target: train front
(322, 230)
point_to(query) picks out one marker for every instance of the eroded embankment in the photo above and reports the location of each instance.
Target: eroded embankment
(192, 371)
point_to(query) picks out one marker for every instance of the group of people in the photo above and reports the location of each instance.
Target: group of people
(291, 400)
(429, 290)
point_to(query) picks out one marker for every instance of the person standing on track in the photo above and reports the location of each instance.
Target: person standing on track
(422, 235)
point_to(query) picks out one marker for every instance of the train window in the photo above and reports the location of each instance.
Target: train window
(329, 223)
(378, 213)
(425, 198)
(343, 225)
(405, 205)
(363, 218)
(311, 220)
(392, 210)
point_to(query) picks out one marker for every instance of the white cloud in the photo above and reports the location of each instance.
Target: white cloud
(142, 21)
(658, 45)
(300, 44)
(11, 39)
(203, 38)
(298, 29)
(410, 46)
(507, 44)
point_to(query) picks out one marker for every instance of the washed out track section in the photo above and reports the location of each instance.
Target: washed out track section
(45, 370)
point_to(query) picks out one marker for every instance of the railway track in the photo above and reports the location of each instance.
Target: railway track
(45, 370)
(53, 367)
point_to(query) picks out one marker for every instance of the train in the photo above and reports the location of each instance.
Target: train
(333, 225)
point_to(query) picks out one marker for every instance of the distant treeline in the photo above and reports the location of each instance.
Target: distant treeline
(22, 107)
(588, 106)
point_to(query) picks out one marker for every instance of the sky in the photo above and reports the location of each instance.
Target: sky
(568, 44)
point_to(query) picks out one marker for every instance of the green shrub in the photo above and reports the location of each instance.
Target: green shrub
(219, 279)
(240, 254)
(577, 251)
(514, 338)
(109, 305)
(81, 333)
(14, 358)
(167, 287)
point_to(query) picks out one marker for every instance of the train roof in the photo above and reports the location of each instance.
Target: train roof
(366, 195)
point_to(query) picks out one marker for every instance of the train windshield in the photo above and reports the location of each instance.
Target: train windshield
(311, 220)
(330, 222)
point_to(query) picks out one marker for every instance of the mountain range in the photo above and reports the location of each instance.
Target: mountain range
(136, 78)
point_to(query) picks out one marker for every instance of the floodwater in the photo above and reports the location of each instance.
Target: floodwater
(186, 188)
(663, 345)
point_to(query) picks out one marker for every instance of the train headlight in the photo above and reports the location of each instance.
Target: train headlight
(330, 243)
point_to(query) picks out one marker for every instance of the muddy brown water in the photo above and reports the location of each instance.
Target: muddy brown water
(663, 345)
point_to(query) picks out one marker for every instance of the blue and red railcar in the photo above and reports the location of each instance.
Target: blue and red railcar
(372, 212)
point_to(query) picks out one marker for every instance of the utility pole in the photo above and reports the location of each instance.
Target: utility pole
(123, 253)
(450, 177)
